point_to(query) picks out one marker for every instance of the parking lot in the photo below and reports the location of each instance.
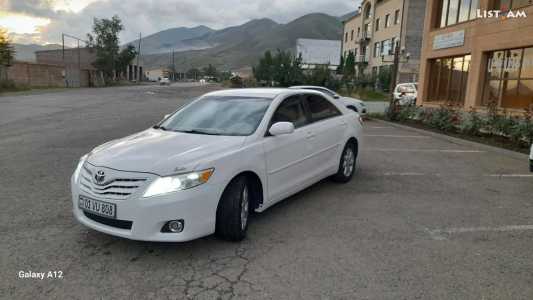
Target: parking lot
(425, 217)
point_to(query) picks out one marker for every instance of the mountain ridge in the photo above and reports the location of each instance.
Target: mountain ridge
(241, 46)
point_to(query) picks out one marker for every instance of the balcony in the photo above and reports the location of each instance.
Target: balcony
(361, 59)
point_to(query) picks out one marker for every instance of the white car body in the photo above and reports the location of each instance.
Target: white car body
(283, 164)
(406, 93)
(531, 159)
(356, 105)
(164, 81)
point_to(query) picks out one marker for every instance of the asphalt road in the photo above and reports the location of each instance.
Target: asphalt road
(425, 217)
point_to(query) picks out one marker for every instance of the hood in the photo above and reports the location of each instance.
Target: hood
(161, 152)
(349, 100)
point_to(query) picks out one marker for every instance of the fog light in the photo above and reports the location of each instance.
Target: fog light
(175, 226)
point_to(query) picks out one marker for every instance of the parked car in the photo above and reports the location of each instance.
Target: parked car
(531, 159)
(356, 105)
(406, 93)
(202, 169)
(164, 81)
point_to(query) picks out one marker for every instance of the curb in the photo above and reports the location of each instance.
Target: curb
(513, 154)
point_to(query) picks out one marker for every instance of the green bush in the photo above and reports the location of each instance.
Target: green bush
(472, 124)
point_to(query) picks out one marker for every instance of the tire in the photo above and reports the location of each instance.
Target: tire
(233, 210)
(346, 164)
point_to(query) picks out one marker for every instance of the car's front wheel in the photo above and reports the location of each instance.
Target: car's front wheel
(347, 163)
(233, 210)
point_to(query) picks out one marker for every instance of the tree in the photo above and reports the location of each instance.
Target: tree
(125, 57)
(283, 69)
(349, 66)
(322, 76)
(210, 71)
(106, 42)
(7, 53)
(341, 65)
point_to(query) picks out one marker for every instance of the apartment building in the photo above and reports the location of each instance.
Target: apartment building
(473, 58)
(374, 31)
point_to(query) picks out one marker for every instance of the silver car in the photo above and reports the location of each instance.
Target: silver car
(351, 103)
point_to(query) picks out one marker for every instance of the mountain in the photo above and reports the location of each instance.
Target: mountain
(172, 39)
(27, 52)
(241, 46)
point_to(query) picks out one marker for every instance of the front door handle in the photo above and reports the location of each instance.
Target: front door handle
(310, 135)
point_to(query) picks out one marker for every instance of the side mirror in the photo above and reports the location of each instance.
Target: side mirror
(281, 128)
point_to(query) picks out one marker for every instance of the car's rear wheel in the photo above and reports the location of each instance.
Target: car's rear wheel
(234, 210)
(347, 163)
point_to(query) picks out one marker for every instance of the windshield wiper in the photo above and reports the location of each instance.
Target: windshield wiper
(160, 127)
(198, 131)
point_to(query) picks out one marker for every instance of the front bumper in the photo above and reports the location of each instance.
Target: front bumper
(196, 206)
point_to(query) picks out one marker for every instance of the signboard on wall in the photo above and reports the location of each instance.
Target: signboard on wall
(449, 40)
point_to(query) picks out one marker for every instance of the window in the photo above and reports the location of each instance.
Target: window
(386, 48)
(346, 37)
(376, 49)
(377, 24)
(382, 48)
(351, 38)
(457, 11)
(393, 45)
(358, 31)
(505, 5)
(290, 110)
(509, 78)
(367, 31)
(321, 108)
(368, 11)
(387, 20)
(448, 80)
(397, 17)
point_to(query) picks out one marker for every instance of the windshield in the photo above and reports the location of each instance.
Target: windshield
(215, 115)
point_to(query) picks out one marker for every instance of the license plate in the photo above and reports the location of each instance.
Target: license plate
(98, 207)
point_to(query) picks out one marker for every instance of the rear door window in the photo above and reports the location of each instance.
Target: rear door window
(320, 108)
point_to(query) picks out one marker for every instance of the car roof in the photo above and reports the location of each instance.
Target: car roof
(304, 87)
(256, 92)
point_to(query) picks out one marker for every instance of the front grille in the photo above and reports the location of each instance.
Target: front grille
(117, 185)
(122, 224)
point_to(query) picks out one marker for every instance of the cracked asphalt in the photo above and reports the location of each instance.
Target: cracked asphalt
(425, 217)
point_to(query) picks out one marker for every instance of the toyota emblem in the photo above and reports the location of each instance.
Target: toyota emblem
(99, 177)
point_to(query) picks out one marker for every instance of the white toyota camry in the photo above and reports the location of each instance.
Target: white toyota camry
(204, 168)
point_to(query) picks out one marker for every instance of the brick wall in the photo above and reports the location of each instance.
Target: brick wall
(36, 75)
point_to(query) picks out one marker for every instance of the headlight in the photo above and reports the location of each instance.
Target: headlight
(78, 168)
(165, 185)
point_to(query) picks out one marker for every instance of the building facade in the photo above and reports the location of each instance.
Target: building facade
(79, 71)
(315, 53)
(474, 59)
(377, 28)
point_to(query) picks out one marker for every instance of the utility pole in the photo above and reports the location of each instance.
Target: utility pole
(63, 35)
(394, 74)
(138, 55)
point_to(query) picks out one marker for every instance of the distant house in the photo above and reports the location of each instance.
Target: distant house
(319, 53)
(79, 69)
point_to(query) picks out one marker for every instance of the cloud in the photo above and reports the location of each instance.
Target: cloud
(150, 16)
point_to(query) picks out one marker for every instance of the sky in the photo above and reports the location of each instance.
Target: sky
(43, 21)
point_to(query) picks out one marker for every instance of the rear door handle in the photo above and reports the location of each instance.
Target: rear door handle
(310, 135)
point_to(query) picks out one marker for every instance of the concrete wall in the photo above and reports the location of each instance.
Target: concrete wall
(36, 75)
